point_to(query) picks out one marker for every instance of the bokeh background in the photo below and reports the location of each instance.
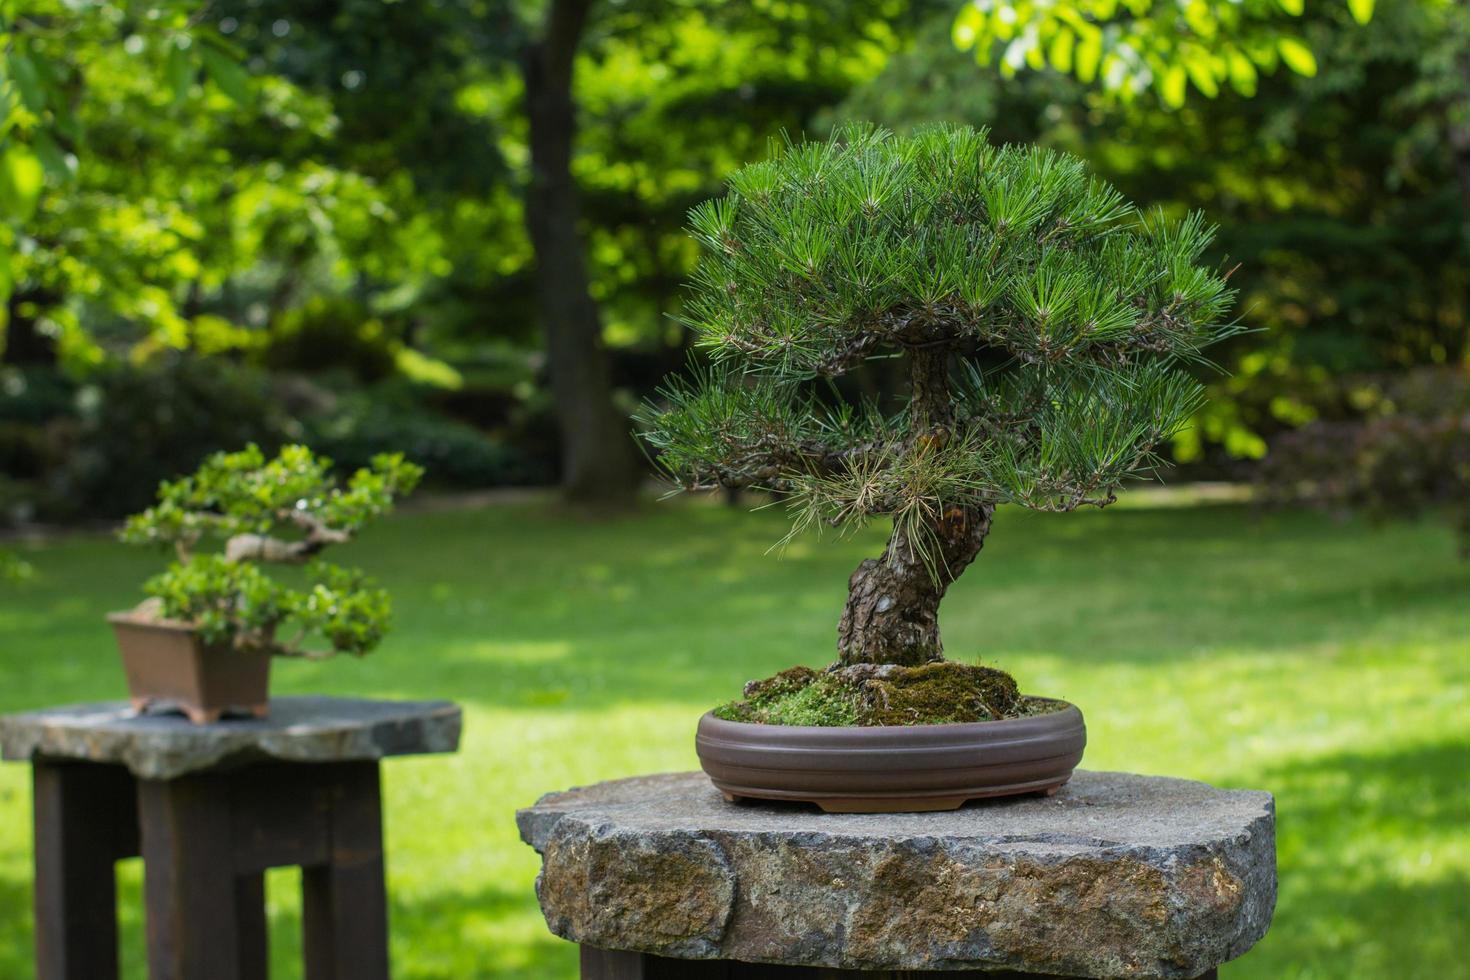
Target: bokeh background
(454, 228)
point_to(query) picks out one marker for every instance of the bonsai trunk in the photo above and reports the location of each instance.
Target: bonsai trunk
(892, 612)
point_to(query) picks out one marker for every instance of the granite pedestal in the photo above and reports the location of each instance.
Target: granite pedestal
(210, 808)
(1117, 875)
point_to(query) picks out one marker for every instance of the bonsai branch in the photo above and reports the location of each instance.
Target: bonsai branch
(264, 547)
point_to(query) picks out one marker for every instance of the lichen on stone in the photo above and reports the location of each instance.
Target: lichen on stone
(883, 694)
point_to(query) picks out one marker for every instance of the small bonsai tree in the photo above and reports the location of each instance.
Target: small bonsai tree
(1047, 330)
(286, 509)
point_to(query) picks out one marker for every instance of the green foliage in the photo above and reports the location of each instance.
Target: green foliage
(245, 500)
(1073, 318)
(101, 447)
(363, 424)
(1133, 46)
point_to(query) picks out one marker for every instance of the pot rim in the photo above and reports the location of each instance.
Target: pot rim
(709, 721)
(129, 617)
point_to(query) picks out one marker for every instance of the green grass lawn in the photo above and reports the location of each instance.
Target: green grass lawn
(1328, 663)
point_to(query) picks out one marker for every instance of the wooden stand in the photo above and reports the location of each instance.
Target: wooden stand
(206, 840)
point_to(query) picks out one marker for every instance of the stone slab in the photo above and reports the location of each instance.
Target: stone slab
(298, 729)
(1118, 875)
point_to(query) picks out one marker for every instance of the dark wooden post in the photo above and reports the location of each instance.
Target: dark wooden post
(85, 820)
(345, 901)
(204, 919)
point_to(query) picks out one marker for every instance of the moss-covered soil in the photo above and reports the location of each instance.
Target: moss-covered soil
(884, 694)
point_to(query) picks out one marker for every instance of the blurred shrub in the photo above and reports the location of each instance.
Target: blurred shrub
(331, 333)
(99, 448)
(77, 450)
(1405, 453)
(388, 419)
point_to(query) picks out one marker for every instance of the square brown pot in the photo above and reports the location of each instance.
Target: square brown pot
(168, 666)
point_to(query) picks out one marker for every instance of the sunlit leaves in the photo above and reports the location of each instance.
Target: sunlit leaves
(1167, 46)
(21, 174)
(1297, 56)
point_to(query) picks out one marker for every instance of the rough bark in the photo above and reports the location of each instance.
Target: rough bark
(892, 611)
(598, 462)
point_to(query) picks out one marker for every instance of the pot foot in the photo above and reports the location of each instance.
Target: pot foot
(264, 710)
(202, 716)
(921, 805)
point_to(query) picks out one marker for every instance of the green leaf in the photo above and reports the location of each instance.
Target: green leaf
(1362, 10)
(1293, 7)
(28, 81)
(1198, 64)
(21, 177)
(1242, 73)
(57, 163)
(1171, 87)
(180, 70)
(1061, 50)
(227, 73)
(966, 27)
(1089, 53)
(1297, 55)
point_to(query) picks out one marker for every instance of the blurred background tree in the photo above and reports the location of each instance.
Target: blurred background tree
(456, 228)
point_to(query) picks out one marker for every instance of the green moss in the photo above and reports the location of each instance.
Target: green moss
(940, 692)
(798, 696)
(936, 693)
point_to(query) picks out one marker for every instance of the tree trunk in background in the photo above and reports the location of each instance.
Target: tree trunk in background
(598, 462)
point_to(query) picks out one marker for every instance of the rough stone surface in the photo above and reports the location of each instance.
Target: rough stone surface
(1116, 876)
(299, 729)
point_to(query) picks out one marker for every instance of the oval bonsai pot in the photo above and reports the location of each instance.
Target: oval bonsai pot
(892, 768)
(168, 666)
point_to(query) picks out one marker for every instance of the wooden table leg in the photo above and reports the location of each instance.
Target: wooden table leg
(345, 900)
(205, 922)
(84, 823)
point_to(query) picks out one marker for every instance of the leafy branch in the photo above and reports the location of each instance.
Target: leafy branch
(284, 510)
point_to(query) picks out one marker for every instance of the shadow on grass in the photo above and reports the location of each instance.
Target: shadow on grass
(1363, 840)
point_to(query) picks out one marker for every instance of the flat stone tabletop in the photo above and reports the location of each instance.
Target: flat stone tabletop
(298, 729)
(1117, 875)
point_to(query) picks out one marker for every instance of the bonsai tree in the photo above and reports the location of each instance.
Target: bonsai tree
(285, 510)
(1047, 330)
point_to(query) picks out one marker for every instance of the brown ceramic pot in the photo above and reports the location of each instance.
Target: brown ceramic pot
(892, 768)
(168, 666)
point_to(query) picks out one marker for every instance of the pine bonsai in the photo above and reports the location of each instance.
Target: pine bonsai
(1047, 328)
(284, 510)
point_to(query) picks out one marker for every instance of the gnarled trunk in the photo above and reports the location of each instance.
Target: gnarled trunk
(892, 611)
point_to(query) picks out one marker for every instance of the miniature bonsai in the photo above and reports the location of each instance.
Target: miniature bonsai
(1047, 331)
(287, 509)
